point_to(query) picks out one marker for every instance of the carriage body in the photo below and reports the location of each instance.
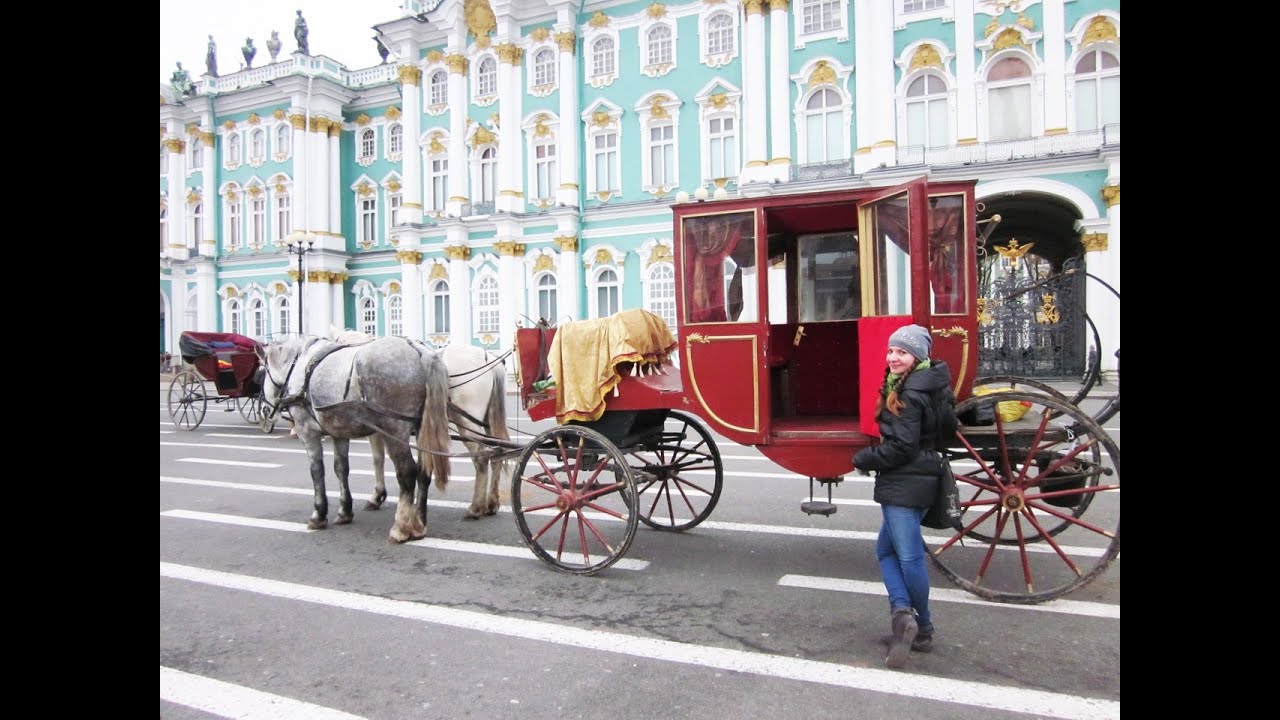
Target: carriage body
(232, 363)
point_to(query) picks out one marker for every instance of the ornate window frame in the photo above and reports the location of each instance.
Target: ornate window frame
(484, 267)
(720, 59)
(541, 128)
(478, 65)
(1083, 42)
(364, 190)
(433, 294)
(658, 255)
(599, 259)
(822, 73)
(657, 109)
(366, 298)
(395, 314)
(649, 25)
(718, 99)
(435, 70)
(393, 154)
(535, 51)
(601, 119)
(256, 192)
(365, 155)
(233, 214)
(1034, 82)
(392, 187)
(257, 135)
(280, 188)
(281, 151)
(595, 56)
(281, 311)
(800, 37)
(902, 16)
(925, 57)
(235, 150)
(435, 147)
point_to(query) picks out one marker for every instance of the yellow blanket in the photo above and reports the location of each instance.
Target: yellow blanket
(584, 358)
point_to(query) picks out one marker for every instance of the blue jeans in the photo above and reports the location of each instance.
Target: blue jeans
(900, 550)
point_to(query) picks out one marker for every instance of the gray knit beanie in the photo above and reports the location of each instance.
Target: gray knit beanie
(914, 339)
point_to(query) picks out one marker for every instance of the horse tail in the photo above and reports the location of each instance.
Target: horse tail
(433, 432)
(497, 414)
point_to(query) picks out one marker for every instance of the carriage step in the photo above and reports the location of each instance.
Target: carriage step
(818, 507)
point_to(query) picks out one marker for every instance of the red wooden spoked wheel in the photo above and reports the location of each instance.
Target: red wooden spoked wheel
(187, 401)
(680, 475)
(1025, 485)
(574, 499)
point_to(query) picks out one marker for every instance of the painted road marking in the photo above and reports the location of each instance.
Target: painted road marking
(234, 701)
(861, 587)
(237, 463)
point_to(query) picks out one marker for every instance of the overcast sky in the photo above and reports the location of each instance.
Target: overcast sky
(340, 29)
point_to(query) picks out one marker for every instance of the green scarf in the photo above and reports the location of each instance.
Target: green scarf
(891, 380)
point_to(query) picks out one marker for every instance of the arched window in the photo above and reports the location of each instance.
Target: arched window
(488, 169)
(659, 45)
(1097, 90)
(368, 314)
(234, 321)
(195, 154)
(282, 316)
(257, 319)
(284, 216)
(602, 57)
(395, 138)
(544, 67)
(233, 223)
(282, 139)
(440, 307)
(722, 137)
(1009, 99)
(233, 149)
(927, 112)
(487, 304)
(258, 221)
(439, 183)
(606, 295)
(823, 127)
(395, 315)
(820, 15)
(547, 297)
(487, 77)
(258, 145)
(197, 228)
(439, 87)
(720, 34)
(544, 159)
(368, 143)
(660, 298)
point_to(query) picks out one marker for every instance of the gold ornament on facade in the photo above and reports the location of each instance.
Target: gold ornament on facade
(567, 41)
(364, 189)
(335, 129)
(363, 120)
(1111, 194)
(438, 272)
(278, 114)
(991, 27)
(778, 5)
(320, 125)
(509, 248)
(601, 118)
(655, 107)
(1026, 22)
(457, 64)
(299, 122)
(230, 292)
(660, 253)
(598, 20)
(509, 53)
(540, 128)
(174, 145)
(1007, 39)
(281, 188)
(544, 263)
(656, 10)
(1047, 314)
(393, 185)
(753, 7)
(495, 120)
(408, 257)
(434, 56)
(480, 18)
(293, 276)
(229, 125)
(192, 129)
(232, 195)
(482, 43)
(434, 144)
(566, 243)
(1013, 251)
(603, 195)
(255, 191)
(539, 34)
(279, 287)
(925, 56)
(207, 139)
(393, 288)
(602, 257)
(457, 252)
(254, 119)
(1094, 242)
(719, 100)
(1100, 29)
(393, 113)
(823, 74)
(482, 137)
(192, 196)
(408, 74)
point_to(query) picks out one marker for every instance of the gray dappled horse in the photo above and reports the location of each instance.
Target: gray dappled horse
(477, 407)
(385, 387)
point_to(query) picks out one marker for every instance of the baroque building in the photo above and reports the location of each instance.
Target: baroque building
(517, 159)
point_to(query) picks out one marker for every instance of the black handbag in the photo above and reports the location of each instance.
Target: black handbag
(945, 512)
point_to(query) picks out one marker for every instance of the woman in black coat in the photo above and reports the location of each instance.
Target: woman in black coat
(912, 406)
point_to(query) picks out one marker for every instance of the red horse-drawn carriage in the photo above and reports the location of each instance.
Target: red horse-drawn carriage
(229, 361)
(784, 305)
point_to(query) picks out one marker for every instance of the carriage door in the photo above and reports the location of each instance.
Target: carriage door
(722, 287)
(892, 271)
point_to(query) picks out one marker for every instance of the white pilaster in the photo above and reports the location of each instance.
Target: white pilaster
(457, 136)
(569, 273)
(175, 145)
(206, 298)
(411, 292)
(301, 188)
(337, 305)
(459, 285)
(966, 93)
(510, 193)
(317, 180)
(411, 154)
(873, 102)
(334, 181)
(209, 195)
(779, 91)
(570, 132)
(1055, 60)
(511, 275)
(754, 102)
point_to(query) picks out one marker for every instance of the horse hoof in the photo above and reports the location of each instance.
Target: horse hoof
(471, 515)
(397, 537)
(371, 505)
(342, 520)
(317, 524)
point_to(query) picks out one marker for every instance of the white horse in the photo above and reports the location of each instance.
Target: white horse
(477, 407)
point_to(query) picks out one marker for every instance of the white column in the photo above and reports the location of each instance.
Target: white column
(301, 195)
(336, 305)
(510, 154)
(317, 180)
(569, 136)
(459, 286)
(177, 215)
(966, 93)
(569, 276)
(206, 298)
(1055, 61)
(873, 102)
(511, 275)
(411, 154)
(334, 181)
(458, 95)
(755, 151)
(779, 91)
(322, 308)
(411, 292)
(209, 198)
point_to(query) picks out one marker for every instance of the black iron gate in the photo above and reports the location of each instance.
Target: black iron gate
(1031, 319)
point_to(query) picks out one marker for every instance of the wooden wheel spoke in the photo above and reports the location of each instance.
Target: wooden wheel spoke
(1052, 543)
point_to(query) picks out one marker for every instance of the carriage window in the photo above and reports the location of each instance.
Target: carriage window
(947, 293)
(720, 263)
(828, 287)
(885, 225)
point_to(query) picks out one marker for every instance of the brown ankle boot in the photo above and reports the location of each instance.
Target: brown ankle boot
(904, 633)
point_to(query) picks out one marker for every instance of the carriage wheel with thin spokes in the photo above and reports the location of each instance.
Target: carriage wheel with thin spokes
(1025, 485)
(680, 475)
(187, 401)
(574, 499)
(251, 408)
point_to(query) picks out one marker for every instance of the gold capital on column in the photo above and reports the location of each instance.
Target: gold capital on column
(293, 275)
(207, 139)
(316, 276)
(174, 145)
(335, 129)
(1111, 193)
(457, 64)
(337, 278)
(753, 7)
(509, 248)
(566, 243)
(299, 122)
(778, 5)
(457, 252)
(566, 41)
(409, 75)
(509, 53)
(320, 125)
(1094, 242)
(408, 257)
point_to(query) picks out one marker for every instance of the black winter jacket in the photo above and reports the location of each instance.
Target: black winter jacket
(907, 466)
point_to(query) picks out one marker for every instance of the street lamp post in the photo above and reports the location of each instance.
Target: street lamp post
(296, 247)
